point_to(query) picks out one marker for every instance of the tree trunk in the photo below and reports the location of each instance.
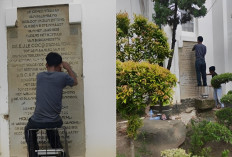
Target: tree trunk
(173, 37)
(161, 108)
(132, 148)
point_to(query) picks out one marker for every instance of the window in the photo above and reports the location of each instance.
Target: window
(188, 27)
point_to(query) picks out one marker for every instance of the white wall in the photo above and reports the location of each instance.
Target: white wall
(99, 54)
(227, 20)
(205, 29)
(133, 7)
(98, 32)
(215, 27)
(218, 39)
(222, 38)
(4, 132)
(229, 34)
(207, 33)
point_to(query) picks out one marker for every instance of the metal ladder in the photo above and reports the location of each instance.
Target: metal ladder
(203, 91)
(44, 149)
(50, 153)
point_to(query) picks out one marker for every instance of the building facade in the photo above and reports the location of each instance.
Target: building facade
(215, 27)
(32, 28)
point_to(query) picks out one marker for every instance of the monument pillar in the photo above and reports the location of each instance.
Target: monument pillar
(96, 27)
(188, 78)
(38, 31)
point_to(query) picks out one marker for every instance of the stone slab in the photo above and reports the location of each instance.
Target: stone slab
(188, 81)
(158, 135)
(203, 104)
(38, 31)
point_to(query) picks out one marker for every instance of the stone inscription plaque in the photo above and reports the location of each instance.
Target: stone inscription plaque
(39, 31)
(188, 80)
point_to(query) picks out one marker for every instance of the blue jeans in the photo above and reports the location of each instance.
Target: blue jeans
(31, 136)
(200, 66)
(217, 95)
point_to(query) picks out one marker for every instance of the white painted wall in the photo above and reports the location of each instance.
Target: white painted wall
(99, 52)
(133, 7)
(229, 34)
(205, 29)
(222, 28)
(98, 32)
(4, 131)
(227, 19)
(216, 29)
(218, 40)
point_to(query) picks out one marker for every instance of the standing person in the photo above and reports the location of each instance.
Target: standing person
(217, 92)
(49, 88)
(200, 65)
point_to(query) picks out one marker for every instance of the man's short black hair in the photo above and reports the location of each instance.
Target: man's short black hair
(53, 59)
(212, 68)
(200, 38)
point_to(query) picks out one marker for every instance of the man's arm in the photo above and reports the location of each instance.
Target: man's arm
(193, 48)
(70, 72)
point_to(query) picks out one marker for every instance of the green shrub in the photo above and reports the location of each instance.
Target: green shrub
(139, 84)
(134, 123)
(224, 116)
(204, 132)
(205, 152)
(140, 41)
(219, 79)
(225, 153)
(227, 99)
(174, 153)
(216, 83)
(197, 137)
(229, 92)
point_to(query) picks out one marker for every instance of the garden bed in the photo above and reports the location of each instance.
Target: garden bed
(123, 143)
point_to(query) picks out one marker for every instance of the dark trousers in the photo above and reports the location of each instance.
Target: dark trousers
(31, 135)
(200, 66)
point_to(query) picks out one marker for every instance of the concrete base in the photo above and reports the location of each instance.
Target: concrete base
(203, 104)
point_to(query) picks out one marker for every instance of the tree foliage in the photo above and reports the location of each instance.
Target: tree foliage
(204, 132)
(185, 11)
(220, 79)
(224, 116)
(141, 40)
(174, 12)
(140, 84)
(175, 152)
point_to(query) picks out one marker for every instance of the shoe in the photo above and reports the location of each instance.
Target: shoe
(215, 109)
(222, 105)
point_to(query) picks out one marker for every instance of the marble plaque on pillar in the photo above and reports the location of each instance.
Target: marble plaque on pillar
(188, 79)
(38, 31)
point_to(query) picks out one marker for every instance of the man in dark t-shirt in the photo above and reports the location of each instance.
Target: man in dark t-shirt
(49, 89)
(200, 65)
